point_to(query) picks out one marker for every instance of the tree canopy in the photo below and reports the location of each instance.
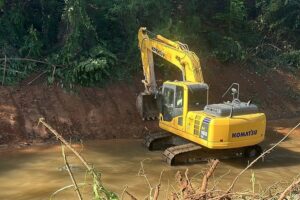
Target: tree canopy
(92, 41)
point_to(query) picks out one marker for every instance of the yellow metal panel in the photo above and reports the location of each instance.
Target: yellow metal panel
(187, 61)
(223, 132)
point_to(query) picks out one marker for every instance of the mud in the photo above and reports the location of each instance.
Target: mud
(86, 113)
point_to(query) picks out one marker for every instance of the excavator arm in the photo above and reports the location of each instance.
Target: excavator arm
(176, 53)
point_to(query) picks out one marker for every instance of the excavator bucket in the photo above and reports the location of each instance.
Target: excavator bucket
(147, 106)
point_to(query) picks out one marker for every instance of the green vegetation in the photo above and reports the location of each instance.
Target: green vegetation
(93, 41)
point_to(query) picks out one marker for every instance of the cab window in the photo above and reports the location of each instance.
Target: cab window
(169, 97)
(197, 99)
(179, 97)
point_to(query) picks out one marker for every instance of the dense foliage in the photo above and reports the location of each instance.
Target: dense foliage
(88, 42)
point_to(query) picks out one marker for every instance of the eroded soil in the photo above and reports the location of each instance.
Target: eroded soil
(110, 112)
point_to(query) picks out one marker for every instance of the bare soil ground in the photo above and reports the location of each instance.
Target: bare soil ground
(110, 112)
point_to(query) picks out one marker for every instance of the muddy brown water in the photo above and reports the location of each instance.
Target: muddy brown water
(35, 173)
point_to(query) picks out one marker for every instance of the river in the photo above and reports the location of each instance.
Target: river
(35, 173)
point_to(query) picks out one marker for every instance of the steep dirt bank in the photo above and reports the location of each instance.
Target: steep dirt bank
(86, 113)
(110, 112)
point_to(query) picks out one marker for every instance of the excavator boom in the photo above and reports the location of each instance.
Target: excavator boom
(176, 53)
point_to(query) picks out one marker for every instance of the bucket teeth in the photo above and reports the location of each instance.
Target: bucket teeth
(147, 106)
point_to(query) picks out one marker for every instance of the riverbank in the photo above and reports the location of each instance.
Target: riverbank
(110, 112)
(276, 129)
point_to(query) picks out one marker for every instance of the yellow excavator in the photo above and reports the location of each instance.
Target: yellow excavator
(193, 130)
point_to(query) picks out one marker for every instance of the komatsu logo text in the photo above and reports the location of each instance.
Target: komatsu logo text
(158, 52)
(244, 134)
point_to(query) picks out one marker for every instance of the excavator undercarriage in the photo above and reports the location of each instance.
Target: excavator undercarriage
(178, 151)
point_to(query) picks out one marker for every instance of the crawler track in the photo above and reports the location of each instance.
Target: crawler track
(179, 152)
(158, 141)
(182, 154)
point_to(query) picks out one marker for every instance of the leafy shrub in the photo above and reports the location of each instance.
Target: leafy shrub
(226, 49)
(32, 46)
(96, 67)
(291, 58)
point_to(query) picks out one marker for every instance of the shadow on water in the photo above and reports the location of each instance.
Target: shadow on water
(283, 155)
(279, 157)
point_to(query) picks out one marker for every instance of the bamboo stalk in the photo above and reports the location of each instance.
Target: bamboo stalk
(58, 136)
(53, 72)
(70, 174)
(98, 189)
(4, 71)
(37, 77)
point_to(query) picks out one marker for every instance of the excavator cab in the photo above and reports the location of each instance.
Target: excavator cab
(179, 97)
(171, 105)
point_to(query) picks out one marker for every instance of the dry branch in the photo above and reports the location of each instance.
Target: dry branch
(183, 183)
(208, 175)
(156, 192)
(157, 187)
(30, 60)
(130, 195)
(64, 188)
(37, 77)
(186, 189)
(13, 70)
(288, 189)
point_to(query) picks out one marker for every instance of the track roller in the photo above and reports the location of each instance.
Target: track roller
(252, 151)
